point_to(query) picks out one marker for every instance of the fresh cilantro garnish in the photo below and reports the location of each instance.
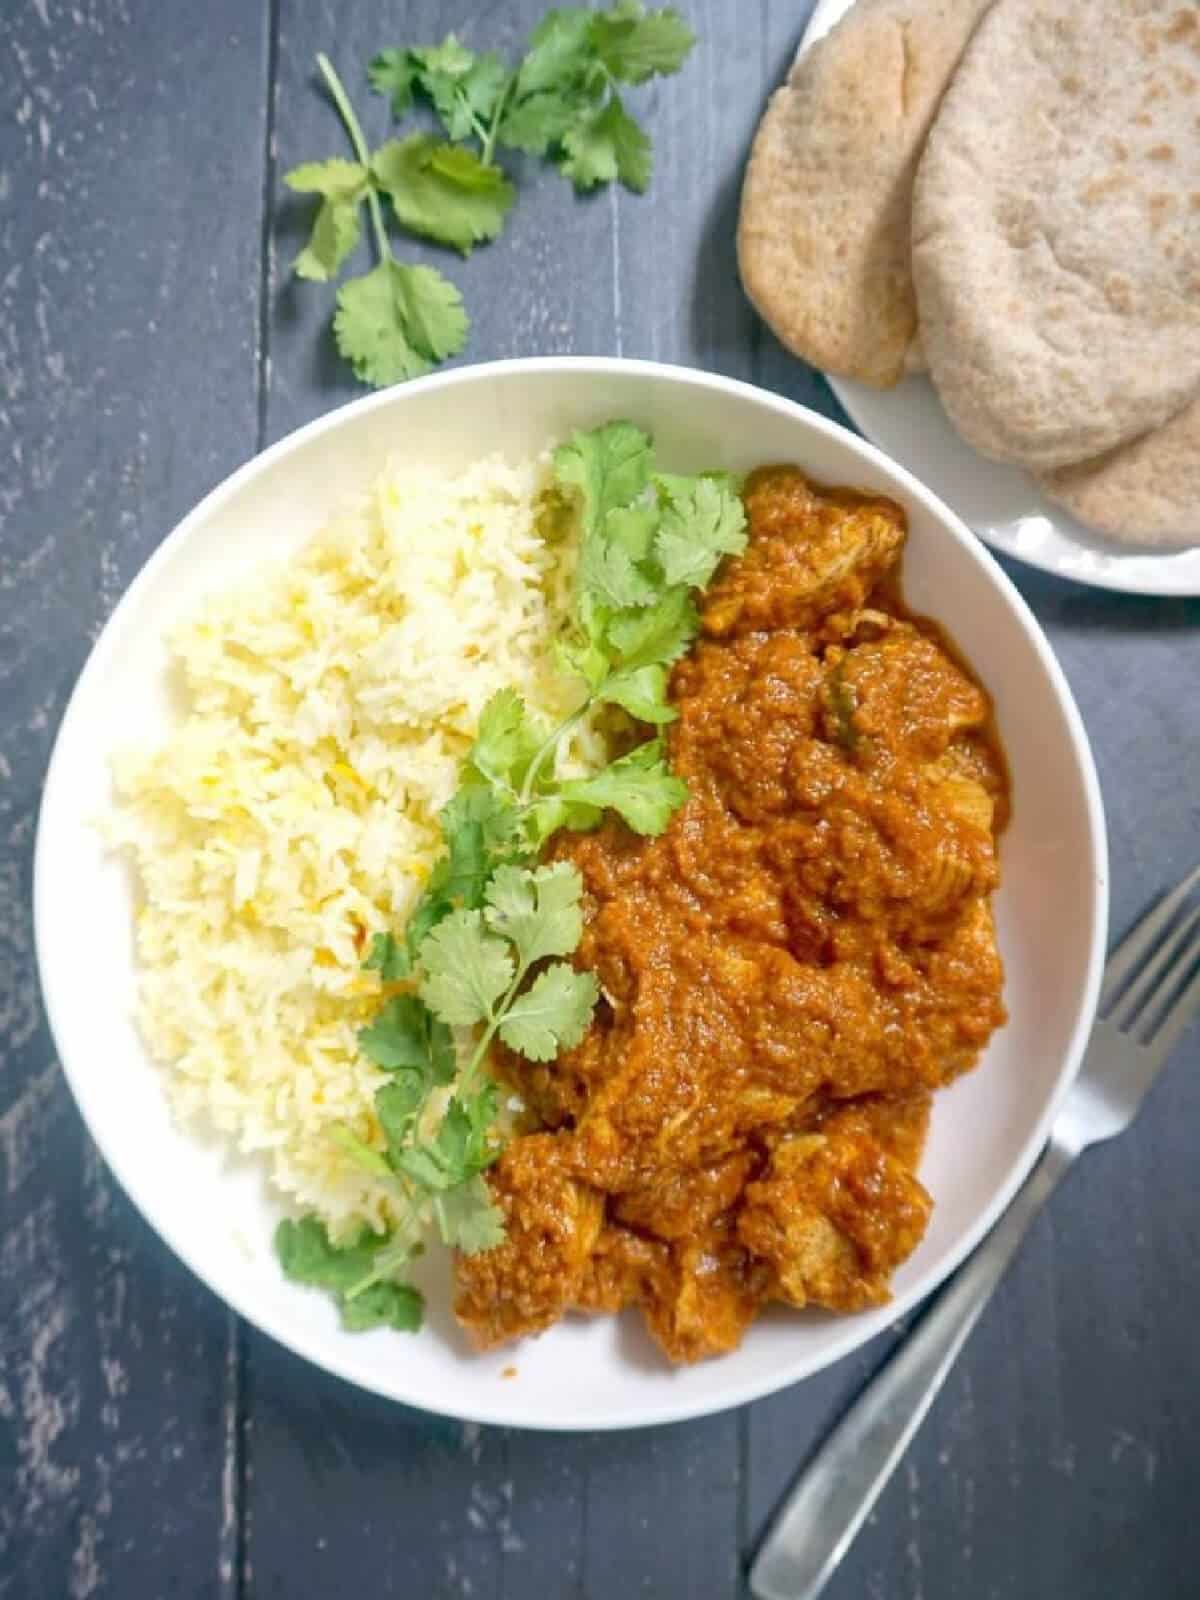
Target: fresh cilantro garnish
(484, 949)
(442, 191)
(647, 539)
(475, 962)
(404, 1037)
(350, 1272)
(639, 787)
(538, 912)
(552, 1015)
(395, 321)
(342, 186)
(560, 100)
(564, 101)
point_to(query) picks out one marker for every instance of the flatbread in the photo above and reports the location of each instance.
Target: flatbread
(1056, 228)
(1145, 493)
(823, 238)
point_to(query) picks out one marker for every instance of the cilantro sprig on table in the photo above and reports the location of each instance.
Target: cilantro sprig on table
(561, 101)
(397, 320)
(482, 956)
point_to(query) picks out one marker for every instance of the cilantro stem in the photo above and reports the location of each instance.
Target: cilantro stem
(499, 1012)
(346, 111)
(489, 142)
(392, 1257)
(550, 747)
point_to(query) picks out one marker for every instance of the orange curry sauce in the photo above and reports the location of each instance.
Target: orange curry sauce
(787, 974)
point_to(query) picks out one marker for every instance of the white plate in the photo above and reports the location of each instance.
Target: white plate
(1003, 504)
(212, 1208)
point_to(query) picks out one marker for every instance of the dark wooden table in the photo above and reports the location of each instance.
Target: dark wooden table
(150, 1445)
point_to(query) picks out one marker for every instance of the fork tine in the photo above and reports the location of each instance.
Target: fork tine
(1138, 943)
(1167, 965)
(1175, 1018)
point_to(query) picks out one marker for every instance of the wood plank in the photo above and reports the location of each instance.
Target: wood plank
(129, 233)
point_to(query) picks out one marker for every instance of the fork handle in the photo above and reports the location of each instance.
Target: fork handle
(828, 1504)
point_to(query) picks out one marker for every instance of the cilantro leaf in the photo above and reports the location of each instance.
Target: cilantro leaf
(639, 787)
(384, 1305)
(396, 321)
(335, 179)
(466, 969)
(606, 144)
(559, 48)
(611, 575)
(450, 59)
(465, 88)
(635, 45)
(394, 73)
(442, 191)
(468, 1218)
(388, 957)
(475, 802)
(463, 1142)
(307, 1255)
(541, 120)
(538, 911)
(479, 827)
(612, 571)
(404, 1035)
(398, 1105)
(335, 231)
(553, 812)
(460, 1149)
(584, 658)
(506, 741)
(657, 635)
(703, 520)
(609, 467)
(642, 691)
(552, 1014)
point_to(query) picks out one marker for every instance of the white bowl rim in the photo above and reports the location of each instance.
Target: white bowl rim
(300, 1341)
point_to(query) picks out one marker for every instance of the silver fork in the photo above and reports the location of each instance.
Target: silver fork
(1150, 993)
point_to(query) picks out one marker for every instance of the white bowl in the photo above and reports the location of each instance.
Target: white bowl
(214, 1211)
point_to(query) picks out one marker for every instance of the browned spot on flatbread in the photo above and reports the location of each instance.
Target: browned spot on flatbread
(1185, 81)
(1161, 152)
(1118, 291)
(1119, 149)
(1184, 25)
(1160, 207)
(1110, 183)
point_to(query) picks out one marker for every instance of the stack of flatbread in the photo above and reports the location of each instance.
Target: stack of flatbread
(1006, 193)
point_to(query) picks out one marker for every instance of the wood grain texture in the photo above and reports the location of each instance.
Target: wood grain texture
(129, 255)
(147, 1446)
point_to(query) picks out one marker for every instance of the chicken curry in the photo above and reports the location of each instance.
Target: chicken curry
(787, 973)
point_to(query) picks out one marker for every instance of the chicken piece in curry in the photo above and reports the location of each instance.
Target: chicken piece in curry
(787, 973)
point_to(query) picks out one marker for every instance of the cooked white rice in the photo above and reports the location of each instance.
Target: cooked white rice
(293, 810)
